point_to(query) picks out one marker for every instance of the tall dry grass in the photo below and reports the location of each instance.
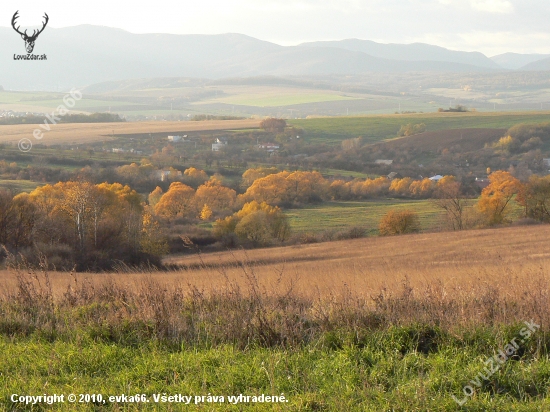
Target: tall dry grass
(238, 299)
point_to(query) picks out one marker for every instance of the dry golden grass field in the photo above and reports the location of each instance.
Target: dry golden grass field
(93, 132)
(511, 260)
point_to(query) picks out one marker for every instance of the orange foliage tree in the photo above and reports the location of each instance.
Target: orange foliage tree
(217, 197)
(495, 201)
(257, 222)
(399, 222)
(176, 202)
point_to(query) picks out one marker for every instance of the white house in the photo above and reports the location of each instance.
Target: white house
(162, 175)
(220, 144)
(436, 178)
(383, 162)
(269, 147)
(174, 138)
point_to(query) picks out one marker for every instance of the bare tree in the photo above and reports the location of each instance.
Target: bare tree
(449, 198)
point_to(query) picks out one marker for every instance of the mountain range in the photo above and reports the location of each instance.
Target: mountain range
(83, 55)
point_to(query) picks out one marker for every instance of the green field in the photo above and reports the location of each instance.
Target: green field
(341, 215)
(279, 99)
(7, 97)
(376, 128)
(18, 186)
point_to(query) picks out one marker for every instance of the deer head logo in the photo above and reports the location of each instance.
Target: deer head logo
(29, 40)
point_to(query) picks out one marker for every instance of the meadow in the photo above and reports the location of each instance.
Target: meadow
(335, 216)
(18, 186)
(264, 96)
(377, 128)
(377, 324)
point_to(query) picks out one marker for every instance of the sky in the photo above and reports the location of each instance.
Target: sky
(489, 26)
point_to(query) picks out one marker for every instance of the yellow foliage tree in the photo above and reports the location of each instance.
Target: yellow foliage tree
(496, 198)
(217, 197)
(277, 223)
(286, 187)
(194, 177)
(399, 222)
(176, 202)
(206, 212)
(401, 187)
(421, 188)
(152, 241)
(253, 174)
(155, 196)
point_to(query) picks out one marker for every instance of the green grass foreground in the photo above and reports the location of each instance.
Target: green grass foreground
(396, 369)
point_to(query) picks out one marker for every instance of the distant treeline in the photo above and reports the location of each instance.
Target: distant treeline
(202, 117)
(69, 118)
(459, 108)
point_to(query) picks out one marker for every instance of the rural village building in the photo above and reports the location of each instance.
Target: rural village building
(220, 144)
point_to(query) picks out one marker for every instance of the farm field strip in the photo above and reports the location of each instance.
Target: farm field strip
(90, 132)
(382, 127)
(455, 260)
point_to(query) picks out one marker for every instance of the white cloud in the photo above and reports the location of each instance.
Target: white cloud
(493, 6)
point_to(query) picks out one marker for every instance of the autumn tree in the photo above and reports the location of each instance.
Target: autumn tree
(176, 202)
(534, 196)
(448, 196)
(400, 187)
(155, 196)
(273, 221)
(422, 188)
(194, 177)
(218, 197)
(253, 174)
(411, 129)
(273, 125)
(152, 241)
(397, 222)
(99, 223)
(288, 188)
(17, 220)
(495, 201)
(206, 212)
(255, 228)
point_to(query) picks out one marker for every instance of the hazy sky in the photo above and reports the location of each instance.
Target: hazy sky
(489, 26)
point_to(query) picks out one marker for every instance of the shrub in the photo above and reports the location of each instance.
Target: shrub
(355, 232)
(254, 227)
(399, 222)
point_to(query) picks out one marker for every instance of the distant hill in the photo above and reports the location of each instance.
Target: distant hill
(516, 61)
(409, 52)
(539, 65)
(84, 55)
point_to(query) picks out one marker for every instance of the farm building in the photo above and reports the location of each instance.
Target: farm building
(162, 175)
(269, 147)
(482, 182)
(220, 144)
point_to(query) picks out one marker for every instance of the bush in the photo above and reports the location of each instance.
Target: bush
(355, 232)
(306, 238)
(399, 222)
(255, 228)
